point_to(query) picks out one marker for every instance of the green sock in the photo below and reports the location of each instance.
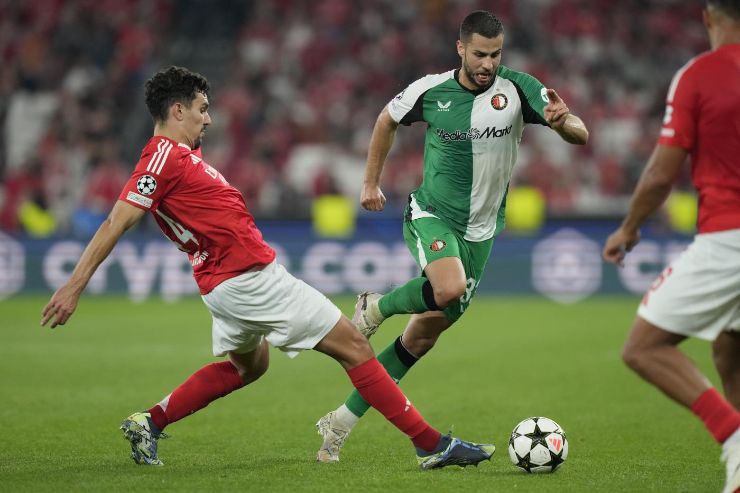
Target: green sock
(397, 361)
(408, 298)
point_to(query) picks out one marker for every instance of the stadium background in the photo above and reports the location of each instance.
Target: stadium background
(297, 85)
(296, 88)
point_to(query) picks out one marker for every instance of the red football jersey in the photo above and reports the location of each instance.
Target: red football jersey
(703, 117)
(197, 209)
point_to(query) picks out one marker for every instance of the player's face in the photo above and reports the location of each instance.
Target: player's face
(481, 57)
(196, 120)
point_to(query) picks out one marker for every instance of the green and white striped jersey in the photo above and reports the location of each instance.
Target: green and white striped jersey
(471, 145)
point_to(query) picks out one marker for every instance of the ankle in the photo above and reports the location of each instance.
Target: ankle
(443, 443)
(345, 418)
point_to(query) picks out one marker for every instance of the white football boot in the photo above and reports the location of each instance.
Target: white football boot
(334, 434)
(367, 315)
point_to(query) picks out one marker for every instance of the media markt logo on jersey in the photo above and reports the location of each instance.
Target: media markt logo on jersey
(473, 133)
(444, 106)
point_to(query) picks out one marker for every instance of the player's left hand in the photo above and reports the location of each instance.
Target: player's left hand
(618, 244)
(556, 111)
(60, 307)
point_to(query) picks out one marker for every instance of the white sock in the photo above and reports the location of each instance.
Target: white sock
(733, 440)
(346, 418)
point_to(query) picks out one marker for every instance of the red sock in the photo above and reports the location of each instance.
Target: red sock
(203, 387)
(720, 418)
(380, 391)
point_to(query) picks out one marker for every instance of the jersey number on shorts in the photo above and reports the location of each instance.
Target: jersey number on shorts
(470, 286)
(657, 283)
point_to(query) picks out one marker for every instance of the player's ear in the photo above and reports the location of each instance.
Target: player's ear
(460, 48)
(176, 111)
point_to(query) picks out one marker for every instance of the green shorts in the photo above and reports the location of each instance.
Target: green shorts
(430, 238)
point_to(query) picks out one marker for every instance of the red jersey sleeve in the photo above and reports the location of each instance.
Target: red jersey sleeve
(681, 113)
(155, 174)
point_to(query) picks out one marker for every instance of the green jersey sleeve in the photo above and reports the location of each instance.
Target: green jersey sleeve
(532, 94)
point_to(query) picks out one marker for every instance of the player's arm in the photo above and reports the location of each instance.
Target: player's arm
(652, 190)
(384, 133)
(64, 301)
(570, 128)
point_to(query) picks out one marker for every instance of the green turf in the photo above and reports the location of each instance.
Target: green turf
(63, 394)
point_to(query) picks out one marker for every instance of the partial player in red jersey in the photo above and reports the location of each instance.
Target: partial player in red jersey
(698, 295)
(253, 300)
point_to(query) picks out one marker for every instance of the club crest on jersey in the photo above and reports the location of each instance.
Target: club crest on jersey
(437, 245)
(146, 185)
(443, 106)
(499, 101)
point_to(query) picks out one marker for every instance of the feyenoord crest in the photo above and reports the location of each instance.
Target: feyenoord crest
(146, 185)
(437, 245)
(499, 101)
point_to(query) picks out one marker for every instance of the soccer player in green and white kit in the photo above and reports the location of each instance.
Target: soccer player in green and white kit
(475, 116)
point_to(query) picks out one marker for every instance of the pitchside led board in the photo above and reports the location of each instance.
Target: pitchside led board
(562, 263)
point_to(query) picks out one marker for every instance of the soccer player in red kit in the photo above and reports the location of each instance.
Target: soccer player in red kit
(253, 300)
(698, 295)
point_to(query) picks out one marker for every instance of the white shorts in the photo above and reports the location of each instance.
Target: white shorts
(698, 295)
(271, 304)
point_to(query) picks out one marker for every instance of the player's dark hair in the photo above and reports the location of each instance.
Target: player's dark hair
(730, 8)
(480, 22)
(170, 86)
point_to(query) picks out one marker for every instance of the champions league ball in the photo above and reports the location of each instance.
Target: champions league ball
(538, 445)
(146, 185)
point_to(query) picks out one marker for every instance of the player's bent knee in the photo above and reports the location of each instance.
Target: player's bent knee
(632, 357)
(346, 344)
(726, 355)
(447, 295)
(253, 374)
(634, 354)
(251, 366)
(361, 346)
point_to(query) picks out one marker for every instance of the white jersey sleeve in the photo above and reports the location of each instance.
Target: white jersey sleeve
(401, 107)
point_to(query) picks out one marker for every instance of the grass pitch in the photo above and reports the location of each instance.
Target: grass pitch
(63, 394)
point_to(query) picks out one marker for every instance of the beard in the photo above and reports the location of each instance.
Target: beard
(471, 77)
(198, 141)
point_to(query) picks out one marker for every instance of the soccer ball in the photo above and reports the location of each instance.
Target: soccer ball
(538, 445)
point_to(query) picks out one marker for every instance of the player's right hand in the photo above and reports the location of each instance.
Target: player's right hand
(618, 244)
(60, 307)
(372, 198)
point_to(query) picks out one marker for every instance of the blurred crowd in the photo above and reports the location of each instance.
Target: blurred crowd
(297, 85)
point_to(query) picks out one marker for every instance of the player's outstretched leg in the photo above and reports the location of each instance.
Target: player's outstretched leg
(367, 315)
(336, 425)
(346, 345)
(455, 452)
(143, 435)
(422, 330)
